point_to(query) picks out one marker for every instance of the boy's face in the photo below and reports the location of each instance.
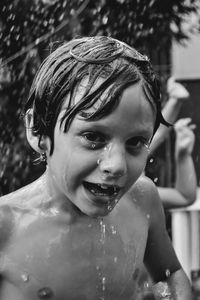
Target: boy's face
(95, 162)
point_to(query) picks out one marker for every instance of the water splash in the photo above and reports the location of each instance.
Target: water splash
(25, 277)
(167, 273)
(103, 232)
(113, 229)
(45, 293)
(103, 287)
(115, 259)
(102, 277)
(103, 283)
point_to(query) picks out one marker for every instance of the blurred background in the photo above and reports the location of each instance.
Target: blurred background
(166, 31)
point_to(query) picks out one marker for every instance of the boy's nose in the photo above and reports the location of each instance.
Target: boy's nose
(113, 162)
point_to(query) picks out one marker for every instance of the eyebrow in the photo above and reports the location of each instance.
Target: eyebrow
(101, 125)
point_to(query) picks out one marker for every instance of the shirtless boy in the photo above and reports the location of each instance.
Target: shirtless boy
(83, 230)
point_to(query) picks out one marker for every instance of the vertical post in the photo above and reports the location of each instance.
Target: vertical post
(195, 240)
(181, 229)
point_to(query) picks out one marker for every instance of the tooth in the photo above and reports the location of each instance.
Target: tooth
(103, 186)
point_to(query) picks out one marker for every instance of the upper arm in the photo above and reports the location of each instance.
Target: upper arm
(160, 258)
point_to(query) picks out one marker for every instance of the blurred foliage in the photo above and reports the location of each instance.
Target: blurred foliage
(142, 23)
(29, 29)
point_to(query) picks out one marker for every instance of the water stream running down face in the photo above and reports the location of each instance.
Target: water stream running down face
(102, 276)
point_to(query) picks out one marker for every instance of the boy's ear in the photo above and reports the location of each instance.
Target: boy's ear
(32, 138)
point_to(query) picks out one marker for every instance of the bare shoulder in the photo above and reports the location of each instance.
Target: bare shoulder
(8, 205)
(146, 194)
(12, 206)
(25, 197)
(6, 224)
(159, 253)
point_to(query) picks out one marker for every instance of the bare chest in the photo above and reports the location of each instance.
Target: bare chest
(85, 261)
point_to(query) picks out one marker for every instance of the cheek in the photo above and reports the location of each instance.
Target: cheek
(80, 165)
(136, 166)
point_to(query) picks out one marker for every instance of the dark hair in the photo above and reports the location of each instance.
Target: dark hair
(117, 64)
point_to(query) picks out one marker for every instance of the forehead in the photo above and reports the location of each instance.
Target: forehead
(134, 105)
(132, 102)
(134, 113)
(81, 89)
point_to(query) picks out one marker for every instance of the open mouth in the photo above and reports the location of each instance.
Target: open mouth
(104, 190)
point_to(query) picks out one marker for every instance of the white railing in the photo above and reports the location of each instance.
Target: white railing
(186, 235)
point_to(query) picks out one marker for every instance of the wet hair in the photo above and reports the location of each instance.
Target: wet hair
(60, 76)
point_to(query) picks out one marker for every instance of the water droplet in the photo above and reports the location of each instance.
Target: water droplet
(110, 207)
(114, 231)
(115, 259)
(167, 273)
(103, 283)
(98, 161)
(54, 211)
(25, 277)
(116, 201)
(103, 232)
(105, 20)
(45, 293)
(146, 285)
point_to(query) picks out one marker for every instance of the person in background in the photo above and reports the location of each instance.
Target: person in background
(184, 191)
(177, 95)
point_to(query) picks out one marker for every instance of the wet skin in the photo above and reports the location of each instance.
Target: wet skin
(75, 258)
(111, 152)
(81, 231)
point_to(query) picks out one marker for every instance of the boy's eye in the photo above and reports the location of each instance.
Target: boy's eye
(138, 143)
(94, 139)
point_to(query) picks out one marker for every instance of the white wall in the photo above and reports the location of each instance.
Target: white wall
(186, 59)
